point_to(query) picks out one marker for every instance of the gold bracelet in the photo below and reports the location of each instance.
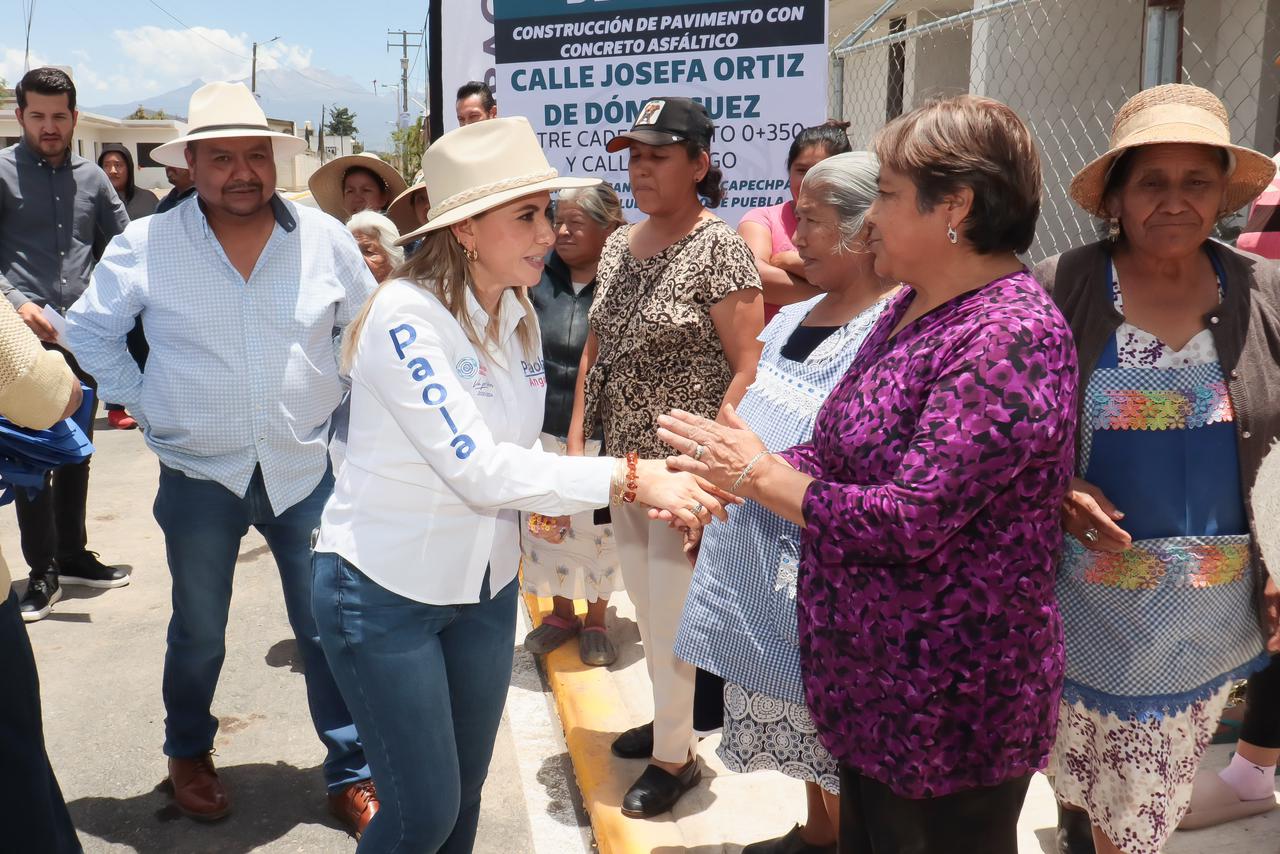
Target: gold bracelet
(625, 480)
(615, 483)
(747, 470)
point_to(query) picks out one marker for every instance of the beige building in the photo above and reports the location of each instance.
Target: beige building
(142, 136)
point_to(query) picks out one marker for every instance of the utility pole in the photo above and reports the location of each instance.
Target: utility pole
(404, 46)
(253, 71)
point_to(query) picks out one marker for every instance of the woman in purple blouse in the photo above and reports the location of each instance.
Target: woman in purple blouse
(931, 644)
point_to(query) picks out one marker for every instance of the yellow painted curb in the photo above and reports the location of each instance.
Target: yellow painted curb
(593, 713)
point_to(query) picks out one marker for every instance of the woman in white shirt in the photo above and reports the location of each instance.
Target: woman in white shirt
(415, 564)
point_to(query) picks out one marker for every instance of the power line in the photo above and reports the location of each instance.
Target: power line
(199, 34)
(29, 6)
(225, 49)
(422, 45)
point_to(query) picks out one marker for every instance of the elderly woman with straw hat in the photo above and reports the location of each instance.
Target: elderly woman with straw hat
(416, 557)
(1159, 582)
(355, 182)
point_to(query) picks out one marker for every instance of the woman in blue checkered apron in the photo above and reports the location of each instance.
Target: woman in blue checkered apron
(739, 619)
(1159, 585)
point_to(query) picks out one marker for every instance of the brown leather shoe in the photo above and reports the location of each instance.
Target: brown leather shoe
(355, 806)
(197, 791)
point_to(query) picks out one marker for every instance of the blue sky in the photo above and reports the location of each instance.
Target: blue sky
(132, 49)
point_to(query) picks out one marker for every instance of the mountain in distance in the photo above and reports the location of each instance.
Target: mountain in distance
(292, 95)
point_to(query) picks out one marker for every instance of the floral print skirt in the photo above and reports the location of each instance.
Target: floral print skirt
(1132, 776)
(584, 566)
(763, 733)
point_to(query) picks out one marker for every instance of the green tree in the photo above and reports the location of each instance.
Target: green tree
(357, 146)
(143, 113)
(409, 145)
(342, 122)
(5, 92)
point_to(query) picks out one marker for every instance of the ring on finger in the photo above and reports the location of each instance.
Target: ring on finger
(698, 451)
(1090, 535)
(697, 509)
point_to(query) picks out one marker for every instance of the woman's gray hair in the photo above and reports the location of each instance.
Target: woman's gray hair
(381, 229)
(846, 182)
(600, 203)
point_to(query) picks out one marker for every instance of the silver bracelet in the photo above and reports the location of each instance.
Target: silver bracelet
(746, 471)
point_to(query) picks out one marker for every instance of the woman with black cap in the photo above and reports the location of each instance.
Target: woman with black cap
(674, 325)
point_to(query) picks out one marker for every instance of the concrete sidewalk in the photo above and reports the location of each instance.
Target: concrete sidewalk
(727, 810)
(100, 655)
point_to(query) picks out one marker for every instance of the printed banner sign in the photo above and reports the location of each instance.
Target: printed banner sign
(582, 71)
(466, 51)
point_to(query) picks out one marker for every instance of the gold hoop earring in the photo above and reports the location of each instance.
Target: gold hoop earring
(1113, 229)
(472, 255)
(951, 235)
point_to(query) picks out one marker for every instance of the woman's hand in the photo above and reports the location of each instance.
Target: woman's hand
(1089, 517)
(690, 500)
(715, 450)
(553, 529)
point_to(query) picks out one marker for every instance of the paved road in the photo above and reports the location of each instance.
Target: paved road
(100, 655)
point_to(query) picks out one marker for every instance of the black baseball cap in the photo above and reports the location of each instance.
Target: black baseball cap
(663, 121)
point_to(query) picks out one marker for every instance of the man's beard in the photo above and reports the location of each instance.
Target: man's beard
(48, 147)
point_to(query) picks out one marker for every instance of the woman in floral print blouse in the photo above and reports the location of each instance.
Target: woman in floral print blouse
(931, 646)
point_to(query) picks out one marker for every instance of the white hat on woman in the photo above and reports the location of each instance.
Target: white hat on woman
(225, 111)
(482, 166)
(326, 182)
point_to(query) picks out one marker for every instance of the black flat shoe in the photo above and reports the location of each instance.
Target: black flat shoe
(657, 791)
(1074, 836)
(635, 743)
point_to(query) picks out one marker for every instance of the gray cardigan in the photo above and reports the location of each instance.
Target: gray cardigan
(1246, 333)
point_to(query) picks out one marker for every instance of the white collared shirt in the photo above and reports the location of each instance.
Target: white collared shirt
(442, 451)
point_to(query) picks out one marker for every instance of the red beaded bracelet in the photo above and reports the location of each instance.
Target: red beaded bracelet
(633, 482)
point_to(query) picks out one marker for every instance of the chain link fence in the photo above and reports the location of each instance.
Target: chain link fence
(1066, 66)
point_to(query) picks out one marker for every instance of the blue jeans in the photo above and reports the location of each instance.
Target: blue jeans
(203, 524)
(426, 685)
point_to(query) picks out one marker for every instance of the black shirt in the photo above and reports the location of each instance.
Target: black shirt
(562, 314)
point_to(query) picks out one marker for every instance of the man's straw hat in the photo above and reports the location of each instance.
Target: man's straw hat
(1175, 113)
(482, 166)
(326, 182)
(222, 111)
(401, 210)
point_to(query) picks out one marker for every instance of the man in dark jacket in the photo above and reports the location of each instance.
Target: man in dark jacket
(183, 187)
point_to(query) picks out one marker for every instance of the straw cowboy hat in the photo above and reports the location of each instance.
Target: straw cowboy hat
(326, 182)
(482, 166)
(222, 111)
(400, 211)
(1175, 112)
